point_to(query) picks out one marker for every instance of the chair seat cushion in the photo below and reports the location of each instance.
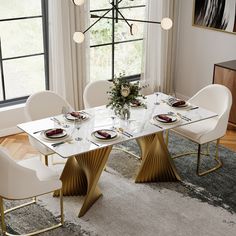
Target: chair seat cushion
(200, 131)
(43, 172)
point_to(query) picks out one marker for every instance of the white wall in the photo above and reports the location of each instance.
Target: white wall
(9, 118)
(198, 50)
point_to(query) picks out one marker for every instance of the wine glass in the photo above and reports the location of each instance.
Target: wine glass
(156, 102)
(65, 110)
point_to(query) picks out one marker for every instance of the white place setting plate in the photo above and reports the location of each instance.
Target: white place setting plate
(57, 136)
(166, 118)
(187, 105)
(172, 101)
(105, 135)
(81, 116)
(139, 104)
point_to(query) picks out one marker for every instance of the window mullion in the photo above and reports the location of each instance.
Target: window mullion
(103, 43)
(113, 43)
(21, 97)
(2, 73)
(45, 40)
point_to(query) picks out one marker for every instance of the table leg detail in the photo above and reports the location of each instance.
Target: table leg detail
(73, 179)
(157, 164)
(81, 174)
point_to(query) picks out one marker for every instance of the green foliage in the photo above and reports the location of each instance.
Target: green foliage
(123, 93)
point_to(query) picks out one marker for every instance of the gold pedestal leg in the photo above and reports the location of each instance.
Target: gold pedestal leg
(81, 174)
(157, 164)
(73, 179)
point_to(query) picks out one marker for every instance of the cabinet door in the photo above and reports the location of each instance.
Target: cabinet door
(227, 77)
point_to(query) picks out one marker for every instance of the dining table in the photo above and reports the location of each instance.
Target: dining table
(86, 142)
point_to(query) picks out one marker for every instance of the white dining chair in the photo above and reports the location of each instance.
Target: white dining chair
(41, 105)
(95, 93)
(216, 98)
(26, 179)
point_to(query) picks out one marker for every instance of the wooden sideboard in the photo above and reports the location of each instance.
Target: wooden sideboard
(225, 74)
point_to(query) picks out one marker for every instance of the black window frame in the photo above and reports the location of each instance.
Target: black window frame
(14, 101)
(129, 78)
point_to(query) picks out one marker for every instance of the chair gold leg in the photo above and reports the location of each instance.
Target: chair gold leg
(46, 160)
(61, 206)
(217, 159)
(22, 205)
(3, 225)
(157, 164)
(198, 157)
(207, 150)
(207, 153)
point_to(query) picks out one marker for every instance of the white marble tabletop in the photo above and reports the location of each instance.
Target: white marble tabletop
(79, 139)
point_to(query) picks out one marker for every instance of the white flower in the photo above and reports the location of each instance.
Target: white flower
(125, 91)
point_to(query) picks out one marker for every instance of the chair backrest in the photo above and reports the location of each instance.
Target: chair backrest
(95, 93)
(13, 177)
(216, 98)
(44, 104)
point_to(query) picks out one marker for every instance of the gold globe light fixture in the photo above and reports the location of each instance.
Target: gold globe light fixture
(78, 37)
(166, 23)
(78, 2)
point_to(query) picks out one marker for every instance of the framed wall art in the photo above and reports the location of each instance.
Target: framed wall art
(215, 14)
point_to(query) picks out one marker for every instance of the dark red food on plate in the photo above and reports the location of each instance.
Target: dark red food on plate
(165, 118)
(136, 102)
(178, 103)
(53, 132)
(104, 134)
(76, 114)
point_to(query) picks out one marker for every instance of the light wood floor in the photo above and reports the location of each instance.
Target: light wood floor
(19, 147)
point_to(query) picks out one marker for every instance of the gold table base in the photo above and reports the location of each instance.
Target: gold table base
(81, 174)
(157, 164)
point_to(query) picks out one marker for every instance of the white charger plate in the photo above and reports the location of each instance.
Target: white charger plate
(173, 117)
(97, 136)
(60, 136)
(69, 117)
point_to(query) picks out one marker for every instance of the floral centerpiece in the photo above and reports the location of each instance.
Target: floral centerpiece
(122, 95)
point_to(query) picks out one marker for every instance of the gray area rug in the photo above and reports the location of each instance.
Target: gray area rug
(217, 188)
(212, 193)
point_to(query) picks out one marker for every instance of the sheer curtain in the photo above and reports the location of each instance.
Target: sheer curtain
(159, 49)
(68, 61)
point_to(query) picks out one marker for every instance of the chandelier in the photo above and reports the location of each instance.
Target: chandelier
(166, 23)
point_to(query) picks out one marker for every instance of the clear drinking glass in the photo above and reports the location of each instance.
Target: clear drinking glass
(65, 110)
(156, 102)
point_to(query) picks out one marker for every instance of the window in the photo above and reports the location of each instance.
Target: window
(113, 49)
(23, 49)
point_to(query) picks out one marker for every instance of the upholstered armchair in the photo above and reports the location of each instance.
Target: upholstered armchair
(95, 93)
(41, 105)
(216, 98)
(26, 179)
